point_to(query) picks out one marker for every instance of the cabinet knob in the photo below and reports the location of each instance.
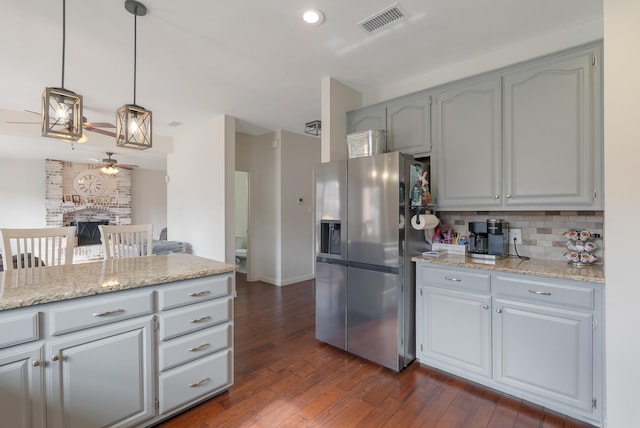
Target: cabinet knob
(499, 310)
(508, 196)
(55, 357)
(35, 363)
(485, 306)
(497, 196)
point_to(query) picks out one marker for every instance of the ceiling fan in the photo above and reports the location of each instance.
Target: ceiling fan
(89, 126)
(111, 165)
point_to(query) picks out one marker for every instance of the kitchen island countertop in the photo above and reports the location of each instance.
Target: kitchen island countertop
(57, 283)
(536, 267)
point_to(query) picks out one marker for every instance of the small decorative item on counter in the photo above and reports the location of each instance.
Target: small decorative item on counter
(581, 249)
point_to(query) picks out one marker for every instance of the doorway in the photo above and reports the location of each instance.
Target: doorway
(242, 220)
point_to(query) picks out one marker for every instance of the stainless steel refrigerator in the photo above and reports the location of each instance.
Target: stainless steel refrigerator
(365, 279)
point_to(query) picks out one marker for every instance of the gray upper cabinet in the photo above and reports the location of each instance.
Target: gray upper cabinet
(406, 120)
(467, 124)
(409, 125)
(364, 119)
(551, 126)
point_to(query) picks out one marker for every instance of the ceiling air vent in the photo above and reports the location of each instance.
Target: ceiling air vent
(385, 17)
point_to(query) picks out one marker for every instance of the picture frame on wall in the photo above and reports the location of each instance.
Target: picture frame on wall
(67, 198)
(75, 199)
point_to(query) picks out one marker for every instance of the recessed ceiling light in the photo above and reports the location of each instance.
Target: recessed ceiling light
(313, 16)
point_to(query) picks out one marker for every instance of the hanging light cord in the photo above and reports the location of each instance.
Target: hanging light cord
(135, 51)
(64, 32)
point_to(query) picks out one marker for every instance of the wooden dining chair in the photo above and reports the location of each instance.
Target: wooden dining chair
(35, 248)
(126, 241)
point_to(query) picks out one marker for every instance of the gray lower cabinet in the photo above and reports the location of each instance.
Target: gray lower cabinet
(102, 376)
(22, 402)
(121, 359)
(539, 339)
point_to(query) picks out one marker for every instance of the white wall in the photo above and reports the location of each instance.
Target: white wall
(149, 199)
(196, 189)
(22, 193)
(300, 154)
(337, 99)
(259, 155)
(622, 205)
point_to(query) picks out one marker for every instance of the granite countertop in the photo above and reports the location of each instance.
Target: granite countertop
(56, 283)
(537, 267)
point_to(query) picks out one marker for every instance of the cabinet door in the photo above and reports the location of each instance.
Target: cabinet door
(102, 377)
(467, 133)
(409, 125)
(454, 330)
(21, 387)
(546, 352)
(549, 138)
(364, 119)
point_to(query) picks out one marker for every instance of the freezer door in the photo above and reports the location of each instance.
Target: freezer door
(331, 209)
(331, 304)
(372, 316)
(374, 232)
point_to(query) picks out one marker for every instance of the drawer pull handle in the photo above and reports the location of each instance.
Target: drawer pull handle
(107, 313)
(451, 278)
(35, 363)
(541, 293)
(199, 293)
(199, 347)
(201, 319)
(200, 382)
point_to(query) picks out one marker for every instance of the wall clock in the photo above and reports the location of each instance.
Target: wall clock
(89, 183)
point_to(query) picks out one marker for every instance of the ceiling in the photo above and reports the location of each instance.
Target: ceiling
(255, 60)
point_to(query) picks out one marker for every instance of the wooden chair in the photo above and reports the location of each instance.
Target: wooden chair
(35, 248)
(126, 241)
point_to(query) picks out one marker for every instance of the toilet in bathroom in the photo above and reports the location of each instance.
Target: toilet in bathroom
(241, 252)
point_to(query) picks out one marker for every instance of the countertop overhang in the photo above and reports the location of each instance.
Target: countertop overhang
(535, 267)
(56, 283)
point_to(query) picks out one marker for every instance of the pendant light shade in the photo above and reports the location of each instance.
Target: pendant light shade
(133, 122)
(61, 108)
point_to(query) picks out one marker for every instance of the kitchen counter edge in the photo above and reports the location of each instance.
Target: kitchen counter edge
(57, 283)
(534, 267)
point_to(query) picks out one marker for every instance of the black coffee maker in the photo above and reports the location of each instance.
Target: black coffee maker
(489, 239)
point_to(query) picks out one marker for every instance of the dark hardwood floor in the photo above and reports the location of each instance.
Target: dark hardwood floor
(284, 377)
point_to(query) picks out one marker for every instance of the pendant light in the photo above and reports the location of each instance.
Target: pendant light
(61, 108)
(133, 123)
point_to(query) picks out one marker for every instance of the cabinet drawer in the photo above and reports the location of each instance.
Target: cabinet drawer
(456, 279)
(544, 292)
(187, 383)
(100, 310)
(194, 291)
(18, 329)
(193, 346)
(194, 317)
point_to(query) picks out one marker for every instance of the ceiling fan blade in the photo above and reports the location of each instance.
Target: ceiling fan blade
(34, 112)
(127, 167)
(100, 131)
(98, 125)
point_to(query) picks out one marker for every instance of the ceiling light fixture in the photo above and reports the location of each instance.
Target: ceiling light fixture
(109, 170)
(61, 108)
(313, 128)
(313, 16)
(133, 123)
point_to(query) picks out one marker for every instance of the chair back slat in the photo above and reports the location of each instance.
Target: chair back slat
(34, 248)
(126, 241)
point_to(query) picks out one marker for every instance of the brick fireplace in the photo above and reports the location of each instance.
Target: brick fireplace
(65, 206)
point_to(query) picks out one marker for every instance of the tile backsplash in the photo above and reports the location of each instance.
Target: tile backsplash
(541, 230)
